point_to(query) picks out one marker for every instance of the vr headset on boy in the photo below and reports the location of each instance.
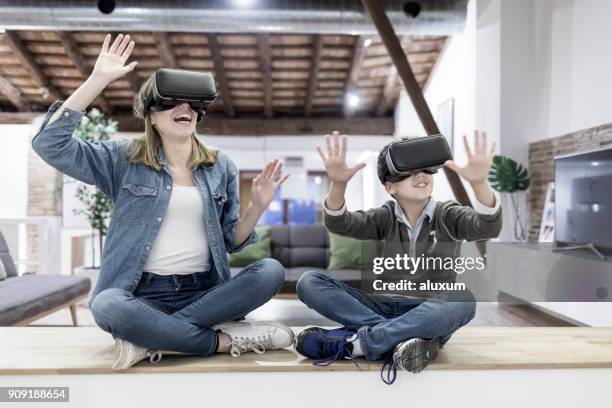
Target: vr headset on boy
(171, 87)
(408, 156)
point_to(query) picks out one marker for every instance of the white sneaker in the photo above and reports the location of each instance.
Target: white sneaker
(128, 354)
(415, 354)
(256, 336)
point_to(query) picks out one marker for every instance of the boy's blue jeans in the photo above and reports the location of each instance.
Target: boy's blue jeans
(383, 321)
(177, 312)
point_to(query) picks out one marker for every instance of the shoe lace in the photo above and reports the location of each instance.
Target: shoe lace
(388, 372)
(258, 343)
(337, 350)
(155, 356)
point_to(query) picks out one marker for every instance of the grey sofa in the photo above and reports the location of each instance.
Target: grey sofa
(302, 248)
(26, 298)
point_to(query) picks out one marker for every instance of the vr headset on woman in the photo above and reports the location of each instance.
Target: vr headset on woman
(408, 156)
(171, 87)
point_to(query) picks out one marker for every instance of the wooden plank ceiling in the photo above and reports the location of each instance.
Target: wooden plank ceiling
(258, 75)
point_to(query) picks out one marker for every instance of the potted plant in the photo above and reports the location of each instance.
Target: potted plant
(508, 176)
(96, 206)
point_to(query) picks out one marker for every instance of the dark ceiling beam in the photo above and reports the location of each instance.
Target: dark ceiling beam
(14, 95)
(215, 51)
(317, 47)
(387, 94)
(398, 56)
(164, 48)
(265, 62)
(73, 52)
(221, 125)
(28, 62)
(353, 76)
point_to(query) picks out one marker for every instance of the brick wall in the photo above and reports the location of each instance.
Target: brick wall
(542, 169)
(45, 186)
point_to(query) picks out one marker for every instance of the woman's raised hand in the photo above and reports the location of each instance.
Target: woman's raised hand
(266, 183)
(110, 64)
(335, 159)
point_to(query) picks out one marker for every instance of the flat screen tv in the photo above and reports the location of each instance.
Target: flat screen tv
(583, 198)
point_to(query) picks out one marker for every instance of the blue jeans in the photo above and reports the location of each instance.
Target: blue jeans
(383, 321)
(177, 312)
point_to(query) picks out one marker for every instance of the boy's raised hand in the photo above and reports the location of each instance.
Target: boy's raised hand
(479, 162)
(335, 160)
(110, 64)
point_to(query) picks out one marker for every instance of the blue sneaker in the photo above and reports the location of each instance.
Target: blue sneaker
(325, 346)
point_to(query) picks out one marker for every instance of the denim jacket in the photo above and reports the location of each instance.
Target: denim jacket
(141, 195)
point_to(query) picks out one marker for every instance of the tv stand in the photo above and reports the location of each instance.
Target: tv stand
(585, 246)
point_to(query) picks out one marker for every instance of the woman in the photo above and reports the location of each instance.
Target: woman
(164, 282)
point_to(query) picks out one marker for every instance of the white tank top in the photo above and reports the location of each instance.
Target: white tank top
(181, 246)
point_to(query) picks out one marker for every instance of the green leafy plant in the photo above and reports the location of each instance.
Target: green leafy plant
(508, 176)
(97, 206)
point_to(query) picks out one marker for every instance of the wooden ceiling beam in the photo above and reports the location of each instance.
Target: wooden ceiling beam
(14, 95)
(215, 51)
(164, 47)
(72, 50)
(317, 47)
(134, 80)
(265, 63)
(387, 94)
(355, 69)
(221, 125)
(28, 62)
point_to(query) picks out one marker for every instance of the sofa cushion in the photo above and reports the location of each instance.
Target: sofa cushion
(2, 271)
(345, 252)
(300, 245)
(26, 296)
(253, 252)
(7, 260)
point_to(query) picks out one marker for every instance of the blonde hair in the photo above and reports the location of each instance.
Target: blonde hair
(143, 149)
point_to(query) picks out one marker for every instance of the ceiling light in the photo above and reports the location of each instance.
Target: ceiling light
(353, 101)
(243, 3)
(367, 42)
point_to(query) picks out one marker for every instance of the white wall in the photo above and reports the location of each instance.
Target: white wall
(575, 62)
(14, 146)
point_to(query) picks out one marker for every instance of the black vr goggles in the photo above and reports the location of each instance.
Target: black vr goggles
(408, 156)
(171, 87)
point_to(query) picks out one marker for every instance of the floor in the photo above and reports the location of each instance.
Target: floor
(293, 313)
(89, 350)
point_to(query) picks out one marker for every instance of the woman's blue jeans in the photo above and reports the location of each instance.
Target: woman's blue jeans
(177, 312)
(383, 321)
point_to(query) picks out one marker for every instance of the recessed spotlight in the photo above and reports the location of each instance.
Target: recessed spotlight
(353, 100)
(367, 42)
(244, 3)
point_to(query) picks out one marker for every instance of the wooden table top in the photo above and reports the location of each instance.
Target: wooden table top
(88, 350)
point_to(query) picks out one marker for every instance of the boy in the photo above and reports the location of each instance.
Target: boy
(412, 327)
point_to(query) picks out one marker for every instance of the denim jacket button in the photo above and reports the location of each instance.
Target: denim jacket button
(159, 219)
(168, 187)
(148, 247)
(66, 114)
